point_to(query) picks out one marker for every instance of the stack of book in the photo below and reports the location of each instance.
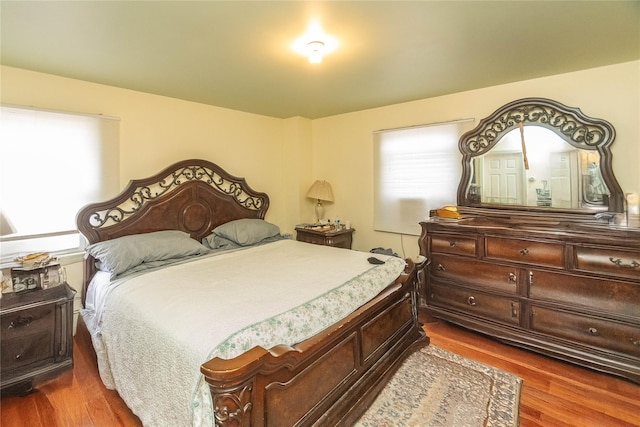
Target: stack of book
(35, 260)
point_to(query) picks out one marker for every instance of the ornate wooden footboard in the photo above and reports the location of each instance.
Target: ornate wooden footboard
(329, 379)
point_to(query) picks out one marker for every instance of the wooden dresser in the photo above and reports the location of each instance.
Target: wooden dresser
(568, 290)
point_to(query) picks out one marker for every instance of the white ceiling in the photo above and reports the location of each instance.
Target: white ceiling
(237, 54)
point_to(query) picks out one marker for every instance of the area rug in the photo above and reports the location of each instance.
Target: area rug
(435, 387)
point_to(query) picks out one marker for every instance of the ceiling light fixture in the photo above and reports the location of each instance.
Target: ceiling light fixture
(315, 51)
(315, 43)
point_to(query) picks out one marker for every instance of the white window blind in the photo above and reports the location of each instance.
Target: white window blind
(415, 169)
(53, 163)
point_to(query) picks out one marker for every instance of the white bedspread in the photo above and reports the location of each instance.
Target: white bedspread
(154, 330)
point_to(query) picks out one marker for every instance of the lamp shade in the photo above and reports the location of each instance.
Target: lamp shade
(320, 190)
(6, 227)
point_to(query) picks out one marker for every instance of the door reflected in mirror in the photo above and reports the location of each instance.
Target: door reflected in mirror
(536, 167)
(538, 155)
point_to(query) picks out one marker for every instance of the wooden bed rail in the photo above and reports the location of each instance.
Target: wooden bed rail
(328, 379)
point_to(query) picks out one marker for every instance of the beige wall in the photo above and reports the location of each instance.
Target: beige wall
(156, 131)
(283, 157)
(342, 145)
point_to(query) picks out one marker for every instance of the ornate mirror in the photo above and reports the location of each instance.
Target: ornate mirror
(537, 154)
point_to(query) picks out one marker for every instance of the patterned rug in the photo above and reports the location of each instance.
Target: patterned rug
(434, 387)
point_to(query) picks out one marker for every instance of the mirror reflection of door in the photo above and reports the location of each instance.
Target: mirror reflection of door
(559, 175)
(564, 179)
(503, 179)
(566, 162)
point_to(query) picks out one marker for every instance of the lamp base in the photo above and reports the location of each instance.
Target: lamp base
(319, 211)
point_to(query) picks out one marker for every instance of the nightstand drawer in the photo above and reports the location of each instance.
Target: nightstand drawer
(36, 336)
(337, 239)
(28, 321)
(26, 349)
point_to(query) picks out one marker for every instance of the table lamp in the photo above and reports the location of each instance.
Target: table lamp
(6, 227)
(321, 191)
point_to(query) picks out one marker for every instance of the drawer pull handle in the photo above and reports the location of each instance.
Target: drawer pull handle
(618, 262)
(593, 331)
(20, 322)
(18, 356)
(452, 244)
(524, 251)
(471, 300)
(441, 267)
(635, 341)
(512, 277)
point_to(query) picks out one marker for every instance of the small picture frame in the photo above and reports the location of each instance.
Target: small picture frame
(51, 276)
(25, 280)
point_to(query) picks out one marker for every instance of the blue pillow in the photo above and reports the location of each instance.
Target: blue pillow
(124, 253)
(247, 231)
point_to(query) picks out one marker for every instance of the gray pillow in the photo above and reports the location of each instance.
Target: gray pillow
(213, 241)
(124, 253)
(247, 231)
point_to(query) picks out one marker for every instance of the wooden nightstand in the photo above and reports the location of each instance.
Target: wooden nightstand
(37, 336)
(329, 237)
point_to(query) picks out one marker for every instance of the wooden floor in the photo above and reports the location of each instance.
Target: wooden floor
(553, 393)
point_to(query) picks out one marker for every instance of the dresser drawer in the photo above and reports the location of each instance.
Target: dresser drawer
(477, 273)
(501, 309)
(608, 335)
(26, 349)
(456, 245)
(612, 296)
(619, 262)
(525, 251)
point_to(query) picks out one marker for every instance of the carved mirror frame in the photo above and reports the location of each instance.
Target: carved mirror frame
(568, 123)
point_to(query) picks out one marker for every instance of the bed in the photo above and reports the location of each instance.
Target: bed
(256, 329)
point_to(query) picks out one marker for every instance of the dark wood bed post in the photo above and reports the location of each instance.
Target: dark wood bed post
(329, 379)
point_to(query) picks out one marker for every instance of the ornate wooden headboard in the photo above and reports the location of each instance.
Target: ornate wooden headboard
(194, 196)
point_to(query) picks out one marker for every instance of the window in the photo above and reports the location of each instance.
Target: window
(416, 169)
(53, 163)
